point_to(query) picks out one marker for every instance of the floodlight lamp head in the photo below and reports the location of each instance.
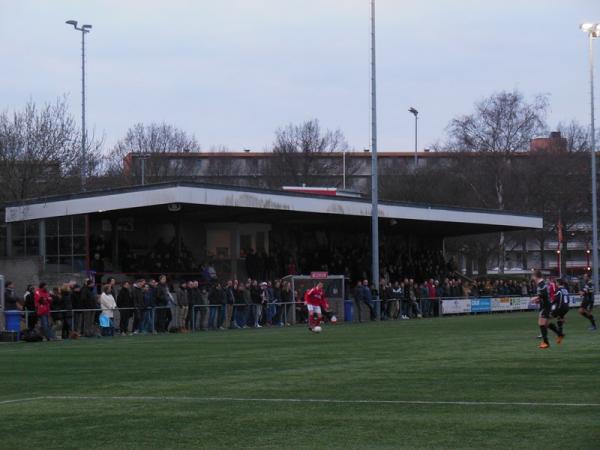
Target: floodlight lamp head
(592, 29)
(72, 22)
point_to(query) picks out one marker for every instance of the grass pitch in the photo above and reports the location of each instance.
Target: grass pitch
(200, 390)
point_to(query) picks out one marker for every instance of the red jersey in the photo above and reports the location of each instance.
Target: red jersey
(316, 297)
(42, 301)
(552, 290)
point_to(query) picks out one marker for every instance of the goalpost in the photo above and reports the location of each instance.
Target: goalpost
(333, 286)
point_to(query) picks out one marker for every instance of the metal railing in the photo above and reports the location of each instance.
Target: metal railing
(162, 319)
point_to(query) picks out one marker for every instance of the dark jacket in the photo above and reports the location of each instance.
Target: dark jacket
(255, 295)
(88, 297)
(286, 296)
(358, 294)
(138, 297)
(125, 299)
(230, 295)
(10, 299)
(194, 297)
(76, 299)
(162, 294)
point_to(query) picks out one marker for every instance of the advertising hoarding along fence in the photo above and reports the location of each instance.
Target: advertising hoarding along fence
(494, 304)
(481, 305)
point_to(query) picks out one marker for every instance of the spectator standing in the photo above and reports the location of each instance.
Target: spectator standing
(367, 298)
(29, 305)
(247, 304)
(204, 309)
(358, 300)
(287, 299)
(230, 302)
(183, 303)
(108, 306)
(67, 306)
(10, 297)
(139, 304)
(214, 298)
(57, 312)
(193, 301)
(240, 307)
(406, 301)
(43, 303)
(125, 304)
(77, 309)
(388, 300)
(88, 300)
(163, 300)
(148, 320)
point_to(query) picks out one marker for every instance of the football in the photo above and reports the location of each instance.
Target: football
(317, 329)
(333, 319)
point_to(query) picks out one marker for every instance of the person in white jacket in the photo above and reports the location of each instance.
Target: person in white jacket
(108, 306)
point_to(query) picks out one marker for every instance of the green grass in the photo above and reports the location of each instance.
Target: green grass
(483, 359)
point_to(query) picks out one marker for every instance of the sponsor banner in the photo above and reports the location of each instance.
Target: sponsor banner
(484, 304)
(480, 305)
(457, 306)
(319, 275)
(527, 304)
(503, 304)
(516, 303)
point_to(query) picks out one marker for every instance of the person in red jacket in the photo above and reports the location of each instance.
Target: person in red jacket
(316, 303)
(43, 301)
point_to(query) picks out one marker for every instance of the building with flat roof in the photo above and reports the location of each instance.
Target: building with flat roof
(175, 227)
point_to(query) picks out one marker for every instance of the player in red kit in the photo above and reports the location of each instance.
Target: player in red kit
(316, 303)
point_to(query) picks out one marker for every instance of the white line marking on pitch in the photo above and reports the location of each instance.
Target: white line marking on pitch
(304, 400)
(20, 400)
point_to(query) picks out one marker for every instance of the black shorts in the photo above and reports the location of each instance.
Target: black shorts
(545, 310)
(560, 312)
(587, 303)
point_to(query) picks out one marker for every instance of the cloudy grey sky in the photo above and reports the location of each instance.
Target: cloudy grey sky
(232, 71)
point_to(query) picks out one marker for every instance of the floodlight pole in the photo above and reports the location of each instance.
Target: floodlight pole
(374, 179)
(83, 161)
(594, 169)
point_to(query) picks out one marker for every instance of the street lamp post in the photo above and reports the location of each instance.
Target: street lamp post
(415, 113)
(344, 168)
(593, 31)
(84, 29)
(374, 179)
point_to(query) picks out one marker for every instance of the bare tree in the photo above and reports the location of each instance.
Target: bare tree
(303, 154)
(501, 126)
(40, 151)
(577, 136)
(151, 141)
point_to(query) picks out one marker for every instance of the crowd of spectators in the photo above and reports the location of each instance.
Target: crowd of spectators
(151, 306)
(161, 305)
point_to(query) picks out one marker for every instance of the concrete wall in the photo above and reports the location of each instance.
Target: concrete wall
(28, 270)
(21, 271)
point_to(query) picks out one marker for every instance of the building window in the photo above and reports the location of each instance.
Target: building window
(25, 238)
(65, 244)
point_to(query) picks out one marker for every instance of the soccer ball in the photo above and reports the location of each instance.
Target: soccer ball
(333, 319)
(317, 329)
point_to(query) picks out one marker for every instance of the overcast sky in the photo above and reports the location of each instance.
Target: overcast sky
(233, 71)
